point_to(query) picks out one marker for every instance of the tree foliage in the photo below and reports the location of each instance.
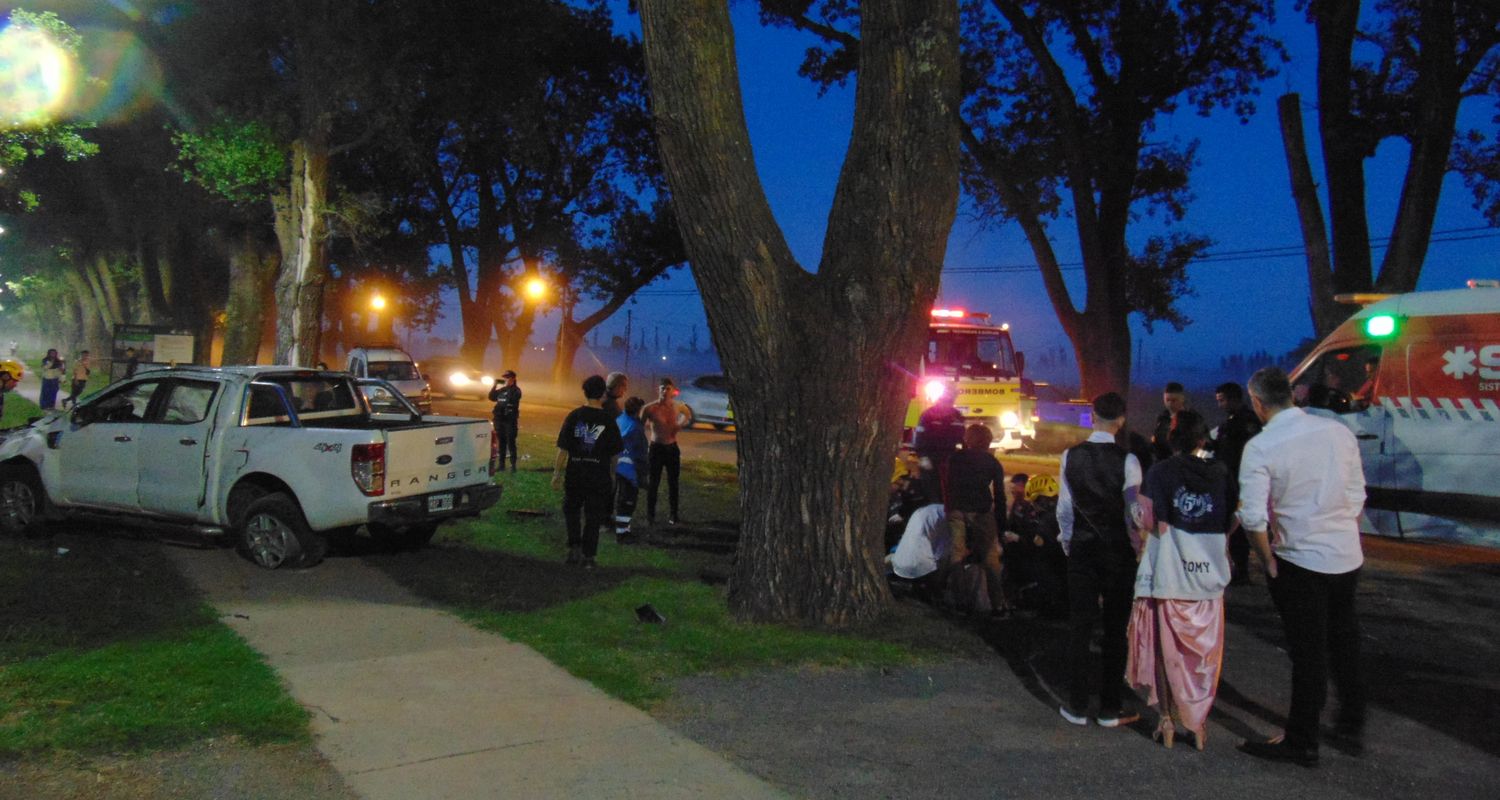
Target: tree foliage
(1061, 107)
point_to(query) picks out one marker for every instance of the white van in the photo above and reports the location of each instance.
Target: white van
(392, 364)
(1417, 378)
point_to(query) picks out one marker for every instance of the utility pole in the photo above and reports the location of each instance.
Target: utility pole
(628, 313)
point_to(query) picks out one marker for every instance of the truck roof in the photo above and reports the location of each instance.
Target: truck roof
(1479, 300)
(250, 372)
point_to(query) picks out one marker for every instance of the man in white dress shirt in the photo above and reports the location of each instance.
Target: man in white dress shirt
(1301, 492)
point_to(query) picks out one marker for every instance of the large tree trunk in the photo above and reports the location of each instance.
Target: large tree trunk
(1326, 314)
(1345, 144)
(1439, 87)
(1101, 345)
(814, 467)
(250, 271)
(569, 340)
(301, 230)
(95, 332)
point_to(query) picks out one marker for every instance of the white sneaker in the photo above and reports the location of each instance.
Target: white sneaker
(1074, 719)
(1117, 720)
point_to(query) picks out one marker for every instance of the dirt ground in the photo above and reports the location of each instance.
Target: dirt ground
(223, 768)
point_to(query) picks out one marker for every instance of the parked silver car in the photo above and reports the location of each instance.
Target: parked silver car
(705, 399)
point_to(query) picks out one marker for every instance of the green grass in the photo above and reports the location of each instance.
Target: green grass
(598, 638)
(107, 648)
(18, 410)
(503, 572)
(528, 521)
(162, 691)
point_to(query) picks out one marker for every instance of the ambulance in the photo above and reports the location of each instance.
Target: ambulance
(974, 358)
(1416, 377)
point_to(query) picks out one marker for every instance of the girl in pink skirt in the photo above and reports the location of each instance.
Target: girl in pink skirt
(1177, 623)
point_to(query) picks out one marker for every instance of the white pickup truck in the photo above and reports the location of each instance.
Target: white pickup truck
(281, 457)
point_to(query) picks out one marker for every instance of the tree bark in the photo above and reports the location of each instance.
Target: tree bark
(1345, 144)
(250, 272)
(569, 339)
(814, 467)
(1437, 95)
(1326, 314)
(94, 330)
(302, 232)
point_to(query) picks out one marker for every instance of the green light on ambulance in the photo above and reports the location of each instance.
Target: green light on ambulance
(1381, 326)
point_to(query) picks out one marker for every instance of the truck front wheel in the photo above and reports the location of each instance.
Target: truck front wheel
(21, 501)
(275, 535)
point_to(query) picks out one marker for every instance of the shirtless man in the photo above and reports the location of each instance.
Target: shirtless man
(660, 419)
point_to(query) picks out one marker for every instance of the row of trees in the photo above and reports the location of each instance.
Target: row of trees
(326, 141)
(1062, 99)
(297, 155)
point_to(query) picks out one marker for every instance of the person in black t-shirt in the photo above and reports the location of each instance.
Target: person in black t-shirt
(587, 442)
(939, 432)
(976, 482)
(1237, 429)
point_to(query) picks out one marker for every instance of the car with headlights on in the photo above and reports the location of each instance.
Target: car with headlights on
(452, 377)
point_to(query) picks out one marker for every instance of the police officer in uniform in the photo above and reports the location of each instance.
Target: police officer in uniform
(507, 415)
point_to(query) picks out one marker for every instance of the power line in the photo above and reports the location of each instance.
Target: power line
(1216, 257)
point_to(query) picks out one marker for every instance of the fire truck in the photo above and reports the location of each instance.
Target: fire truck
(974, 358)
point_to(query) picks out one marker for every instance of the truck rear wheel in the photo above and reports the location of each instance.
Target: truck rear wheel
(22, 501)
(274, 534)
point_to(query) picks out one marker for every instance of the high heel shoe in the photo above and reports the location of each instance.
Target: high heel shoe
(1164, 733)
(1200, 737)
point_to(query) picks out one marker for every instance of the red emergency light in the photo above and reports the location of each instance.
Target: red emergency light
(949, 313)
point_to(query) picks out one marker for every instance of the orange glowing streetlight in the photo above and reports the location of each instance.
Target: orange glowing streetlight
(536, 289)
(377, 302)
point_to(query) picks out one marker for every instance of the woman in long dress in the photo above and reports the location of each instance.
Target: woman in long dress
(1177, 623)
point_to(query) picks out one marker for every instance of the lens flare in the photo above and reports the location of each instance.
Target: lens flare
(36, 77)
(125, 79)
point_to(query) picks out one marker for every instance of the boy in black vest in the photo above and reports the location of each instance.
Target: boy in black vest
(1099, 484)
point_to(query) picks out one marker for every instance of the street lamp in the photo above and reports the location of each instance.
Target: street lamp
(536, 288)
(377, 302)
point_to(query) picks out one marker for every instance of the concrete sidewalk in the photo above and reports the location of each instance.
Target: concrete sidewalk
(409, 702)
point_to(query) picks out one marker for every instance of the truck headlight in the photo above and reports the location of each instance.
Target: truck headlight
(1009, 419)
(458, 379)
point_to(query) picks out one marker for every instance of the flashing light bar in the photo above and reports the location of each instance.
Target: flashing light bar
(1483, 283)
(949, 313)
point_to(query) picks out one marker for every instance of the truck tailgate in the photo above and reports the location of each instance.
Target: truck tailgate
(430, 457)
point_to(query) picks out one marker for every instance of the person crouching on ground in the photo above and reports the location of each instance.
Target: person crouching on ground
(1097, 531)
(630, 467)
(588, 440)
(976, 483)
(1177, 625)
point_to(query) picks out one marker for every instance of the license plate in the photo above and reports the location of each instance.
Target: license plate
(440, 502)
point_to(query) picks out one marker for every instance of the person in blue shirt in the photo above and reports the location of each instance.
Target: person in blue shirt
(629, 468)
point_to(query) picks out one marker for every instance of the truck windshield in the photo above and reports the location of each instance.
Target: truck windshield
(394, 371)
(978, 353)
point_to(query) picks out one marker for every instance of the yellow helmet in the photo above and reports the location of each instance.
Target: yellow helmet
(1040, 486)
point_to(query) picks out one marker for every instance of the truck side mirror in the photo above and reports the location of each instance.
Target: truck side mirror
(1020, 364)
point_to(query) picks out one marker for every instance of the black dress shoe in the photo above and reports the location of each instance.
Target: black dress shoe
(1349, 738)
(1281, 751)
